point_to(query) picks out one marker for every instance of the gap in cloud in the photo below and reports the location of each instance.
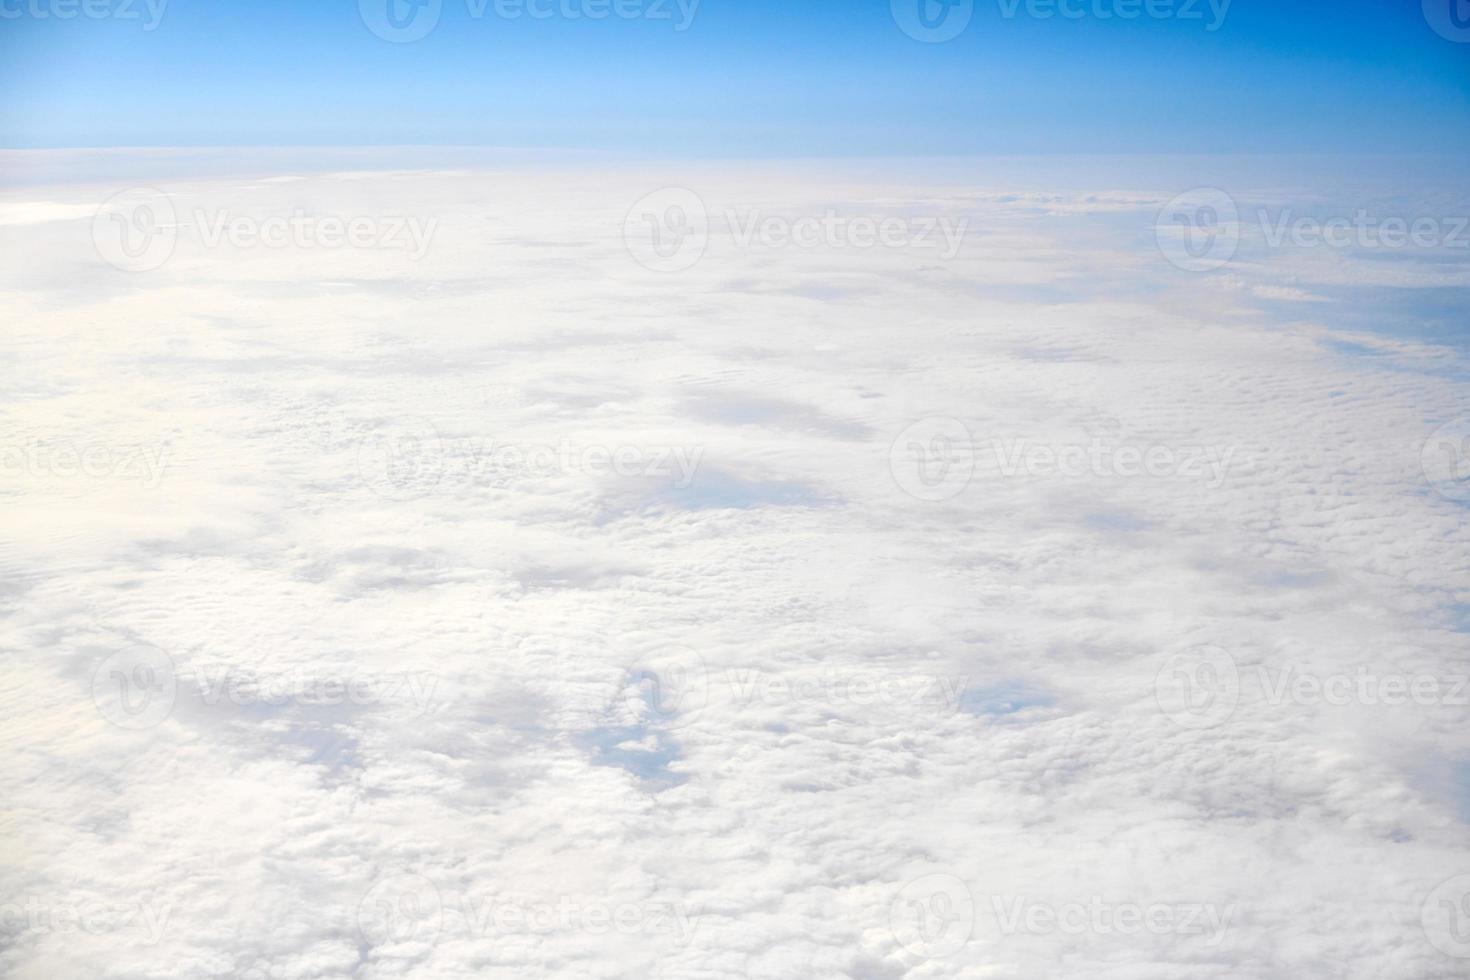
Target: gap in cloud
(1117, 521)
(636, 749)
(1433, 314)
(1008, 697)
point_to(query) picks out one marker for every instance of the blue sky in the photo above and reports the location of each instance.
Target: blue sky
(748, 78)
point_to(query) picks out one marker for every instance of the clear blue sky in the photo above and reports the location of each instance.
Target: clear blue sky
(749, 78)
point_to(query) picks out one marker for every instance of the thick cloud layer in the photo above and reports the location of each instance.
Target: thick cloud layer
(513, 592)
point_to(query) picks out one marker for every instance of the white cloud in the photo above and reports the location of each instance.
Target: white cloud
(715, 729)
